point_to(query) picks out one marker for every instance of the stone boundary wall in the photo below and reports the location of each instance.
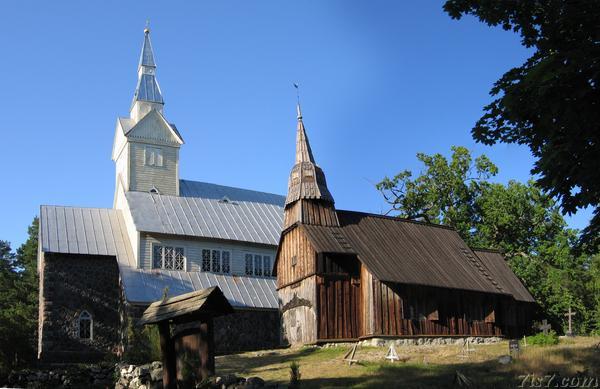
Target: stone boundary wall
(430, 341)
(73, 376)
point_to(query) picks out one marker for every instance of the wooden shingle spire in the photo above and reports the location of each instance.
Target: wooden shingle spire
(303, 151)
(308, 200)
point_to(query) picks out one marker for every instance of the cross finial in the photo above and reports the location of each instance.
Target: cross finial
(147, 28)
(299, 111)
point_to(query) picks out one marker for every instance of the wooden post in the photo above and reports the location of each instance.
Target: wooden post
(167, 351)
(206, 349)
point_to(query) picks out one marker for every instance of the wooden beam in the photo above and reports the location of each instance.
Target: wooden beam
(167, 351)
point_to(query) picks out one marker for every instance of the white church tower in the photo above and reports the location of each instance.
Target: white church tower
(146, 145)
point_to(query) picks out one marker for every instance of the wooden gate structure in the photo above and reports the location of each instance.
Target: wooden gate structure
(191, 338)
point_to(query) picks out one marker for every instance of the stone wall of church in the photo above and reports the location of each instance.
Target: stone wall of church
(73, 284)
(244, 330)
(247, 330)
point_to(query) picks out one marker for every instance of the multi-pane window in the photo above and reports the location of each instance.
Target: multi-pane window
(249, 271)
(154, 156)
(85, 325)
(179, 259)
(168, 257)
(266, 265)
(225, 262)
(205, 260)
(258, 265)
(216, 261)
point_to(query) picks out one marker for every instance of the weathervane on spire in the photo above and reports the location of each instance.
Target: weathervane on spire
(297, 86)
(147, 29)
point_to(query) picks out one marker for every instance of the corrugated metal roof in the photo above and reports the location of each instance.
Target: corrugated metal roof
(497, 264)
(100, 231)
(210, 211)
(397, 250)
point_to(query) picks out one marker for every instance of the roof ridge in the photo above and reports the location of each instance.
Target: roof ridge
(77, 207)
(489, 250)
(232, 187)
(398, 219)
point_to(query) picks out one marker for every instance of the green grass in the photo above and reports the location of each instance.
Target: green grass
(426, 367)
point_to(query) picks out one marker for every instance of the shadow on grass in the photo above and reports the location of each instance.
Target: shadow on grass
(419, 376)
(244, 363)
(485, 374)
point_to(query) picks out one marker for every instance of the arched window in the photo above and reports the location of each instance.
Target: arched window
(85, 325)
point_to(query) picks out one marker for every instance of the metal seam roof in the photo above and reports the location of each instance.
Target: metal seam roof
(99, 231)
(248, 216)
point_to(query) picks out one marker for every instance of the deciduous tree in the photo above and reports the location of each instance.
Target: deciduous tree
(551, 103)
(517, 218)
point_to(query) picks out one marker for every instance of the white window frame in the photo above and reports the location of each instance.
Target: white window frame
(91, 319)
(210, 258)
(154, 156)
(163, 247)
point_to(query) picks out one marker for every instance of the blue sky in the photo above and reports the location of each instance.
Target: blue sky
(380, 81)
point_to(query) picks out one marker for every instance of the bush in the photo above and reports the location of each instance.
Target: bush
(543, 340)
(189, 372)
(143, 344)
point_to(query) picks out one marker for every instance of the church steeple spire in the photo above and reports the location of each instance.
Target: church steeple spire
(303, 151)
(308, 200)
(147, 56)
(147, 94)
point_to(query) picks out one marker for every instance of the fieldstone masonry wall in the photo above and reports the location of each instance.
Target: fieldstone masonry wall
(72, 284)
(247, 330)
(244, 330)
(430, 341)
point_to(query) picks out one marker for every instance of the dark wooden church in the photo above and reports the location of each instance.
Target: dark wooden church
(345, 275)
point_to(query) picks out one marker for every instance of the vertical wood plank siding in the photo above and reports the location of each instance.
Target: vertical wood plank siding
(457, 312)
(295, 244)
(310, 212)
(339, 308)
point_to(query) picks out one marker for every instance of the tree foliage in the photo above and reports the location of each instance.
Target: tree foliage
(551, 103)
(18, 302)
(517, 218)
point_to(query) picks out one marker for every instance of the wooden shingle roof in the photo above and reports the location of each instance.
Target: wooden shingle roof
(409, 252)
(495, 261)
(210, 301)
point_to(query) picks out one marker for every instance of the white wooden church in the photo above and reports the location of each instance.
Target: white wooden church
(99, 268)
